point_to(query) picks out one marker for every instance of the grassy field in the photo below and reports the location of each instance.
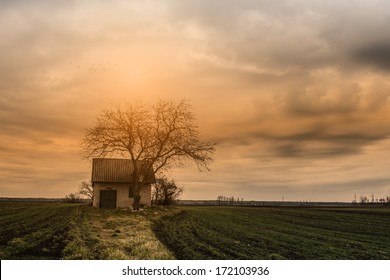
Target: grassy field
(277, 233)
(74, 231)
(34, 230)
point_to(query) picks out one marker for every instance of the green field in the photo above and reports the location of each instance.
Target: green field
(277, 233)
(74, 231)
(34, 230)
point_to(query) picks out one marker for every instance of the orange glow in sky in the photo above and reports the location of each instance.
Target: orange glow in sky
(295, 94)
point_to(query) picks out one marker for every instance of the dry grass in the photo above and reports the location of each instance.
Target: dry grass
(76, 231)
(116, 234)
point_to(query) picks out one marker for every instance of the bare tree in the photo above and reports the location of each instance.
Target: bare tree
(86, 189)
(73, 198)
(157, 136)
(364, 199)
(165, 192)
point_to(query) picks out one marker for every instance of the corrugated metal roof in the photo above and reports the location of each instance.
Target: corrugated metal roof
(116, 170)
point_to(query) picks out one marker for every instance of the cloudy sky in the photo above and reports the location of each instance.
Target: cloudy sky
(296, 93)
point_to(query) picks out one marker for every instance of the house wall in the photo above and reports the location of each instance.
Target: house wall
(122, 196)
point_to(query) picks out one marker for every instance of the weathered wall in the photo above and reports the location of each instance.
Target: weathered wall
(122, 196)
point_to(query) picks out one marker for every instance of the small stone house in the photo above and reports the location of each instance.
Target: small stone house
(112, 183)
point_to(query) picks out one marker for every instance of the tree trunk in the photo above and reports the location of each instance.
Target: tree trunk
(166, 197)
(136, 195)
(136, 200)
(136, 188)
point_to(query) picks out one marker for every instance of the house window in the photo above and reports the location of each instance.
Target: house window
(131, 191)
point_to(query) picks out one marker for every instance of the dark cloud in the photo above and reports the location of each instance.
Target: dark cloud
(38, 3)
(329, 133)
(320, 101)
(320, 133)
(291, 35)
(376, 55)
(311, 144)
(303, 150)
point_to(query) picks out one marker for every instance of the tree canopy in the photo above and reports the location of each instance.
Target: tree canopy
(158, 136)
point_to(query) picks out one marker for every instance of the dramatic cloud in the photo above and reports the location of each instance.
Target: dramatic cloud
(377, 55)
(296, 93)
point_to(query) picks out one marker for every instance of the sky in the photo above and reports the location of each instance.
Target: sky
(296, 93)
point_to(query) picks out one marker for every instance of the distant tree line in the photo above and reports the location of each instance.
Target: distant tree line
(366, 200)
(224, 200)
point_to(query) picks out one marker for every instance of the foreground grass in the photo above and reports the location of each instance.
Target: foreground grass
(34, 230)
(114, 234)
(75, 231)
(276, 233)
(71, 231)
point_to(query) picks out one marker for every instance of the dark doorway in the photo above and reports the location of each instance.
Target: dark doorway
(108, 199)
